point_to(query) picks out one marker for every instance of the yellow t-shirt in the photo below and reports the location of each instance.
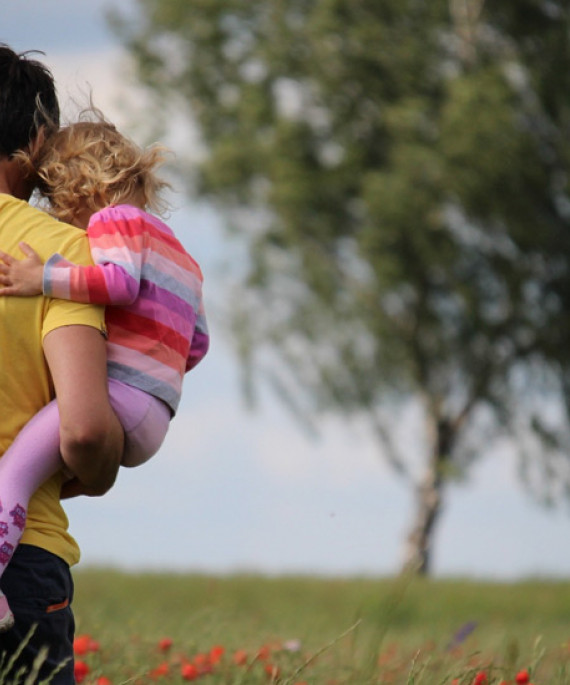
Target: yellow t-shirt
(25, 383)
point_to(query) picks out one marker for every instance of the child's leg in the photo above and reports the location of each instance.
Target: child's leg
(145, 420)
(34, 455)
(31, 459)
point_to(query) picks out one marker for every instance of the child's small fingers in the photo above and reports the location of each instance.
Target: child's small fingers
(6, 258)
(27, 250)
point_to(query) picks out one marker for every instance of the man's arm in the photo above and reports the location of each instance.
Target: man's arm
(91, 435)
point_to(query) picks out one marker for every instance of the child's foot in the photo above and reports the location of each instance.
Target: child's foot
(6, 615)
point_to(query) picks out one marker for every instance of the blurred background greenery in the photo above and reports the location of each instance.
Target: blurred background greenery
(398, 174)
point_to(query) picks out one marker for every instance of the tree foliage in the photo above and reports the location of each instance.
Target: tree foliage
(404, 167)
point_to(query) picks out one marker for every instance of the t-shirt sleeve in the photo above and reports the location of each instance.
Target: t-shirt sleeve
(66, 313)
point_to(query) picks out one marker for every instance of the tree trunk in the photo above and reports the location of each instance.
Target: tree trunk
(418, 546)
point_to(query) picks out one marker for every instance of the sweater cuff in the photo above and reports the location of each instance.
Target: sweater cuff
(50, 275)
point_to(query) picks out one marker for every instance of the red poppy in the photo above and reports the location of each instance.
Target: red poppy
(272, 671)
(102, 680)
(160, 671)
(216, 653)
(263, 653)
(189, 672)
(480, 678)
(240, 657)
(80, 671)
(81, 644)
(522, 677)
(165, 644)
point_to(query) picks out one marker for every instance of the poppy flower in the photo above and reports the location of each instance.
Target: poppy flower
(216, 653)
(272, 671)
(189, 672)
(165, 644)
(160, 671)
(480, 678)
(522, 677)
(81, 644)
(263, 653)
(240, 657)
(80, 671)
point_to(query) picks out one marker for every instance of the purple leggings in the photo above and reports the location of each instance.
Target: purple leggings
(34, 455)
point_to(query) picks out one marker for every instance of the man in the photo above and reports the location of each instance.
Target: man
(47, 346)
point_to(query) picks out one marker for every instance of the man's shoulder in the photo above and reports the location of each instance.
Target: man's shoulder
(20, 221)
(9, 202)
(19, 213)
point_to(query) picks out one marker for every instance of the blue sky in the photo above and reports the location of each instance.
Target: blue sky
(234, 490)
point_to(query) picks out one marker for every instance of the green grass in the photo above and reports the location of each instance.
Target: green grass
(362, 631)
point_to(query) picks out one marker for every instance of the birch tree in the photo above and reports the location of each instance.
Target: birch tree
(398, 172)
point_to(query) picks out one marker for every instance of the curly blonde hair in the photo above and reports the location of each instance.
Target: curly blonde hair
(90, 164)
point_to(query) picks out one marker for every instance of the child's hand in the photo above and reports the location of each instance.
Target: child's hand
(21, 277)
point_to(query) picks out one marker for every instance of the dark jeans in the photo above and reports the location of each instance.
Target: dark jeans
(39, 588)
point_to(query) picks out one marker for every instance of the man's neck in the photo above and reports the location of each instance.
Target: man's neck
(12, 181)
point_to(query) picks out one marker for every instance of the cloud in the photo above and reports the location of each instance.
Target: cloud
(98, 74)
(65, 27)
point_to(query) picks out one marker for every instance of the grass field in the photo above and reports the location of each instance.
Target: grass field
(247, 629)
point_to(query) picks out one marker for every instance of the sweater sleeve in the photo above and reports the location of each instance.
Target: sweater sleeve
(200, 340)
(116, 246)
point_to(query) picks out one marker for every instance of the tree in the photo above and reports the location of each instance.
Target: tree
(399, 172)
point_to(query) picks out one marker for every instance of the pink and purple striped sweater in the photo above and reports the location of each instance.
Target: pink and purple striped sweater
(156, 325)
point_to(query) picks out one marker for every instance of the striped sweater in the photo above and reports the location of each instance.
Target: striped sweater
(156, 327)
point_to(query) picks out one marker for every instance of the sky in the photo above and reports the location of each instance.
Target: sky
(235, 490)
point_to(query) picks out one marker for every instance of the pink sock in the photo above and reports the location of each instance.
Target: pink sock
(31, 459)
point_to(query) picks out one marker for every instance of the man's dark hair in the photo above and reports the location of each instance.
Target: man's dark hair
(28, 100)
